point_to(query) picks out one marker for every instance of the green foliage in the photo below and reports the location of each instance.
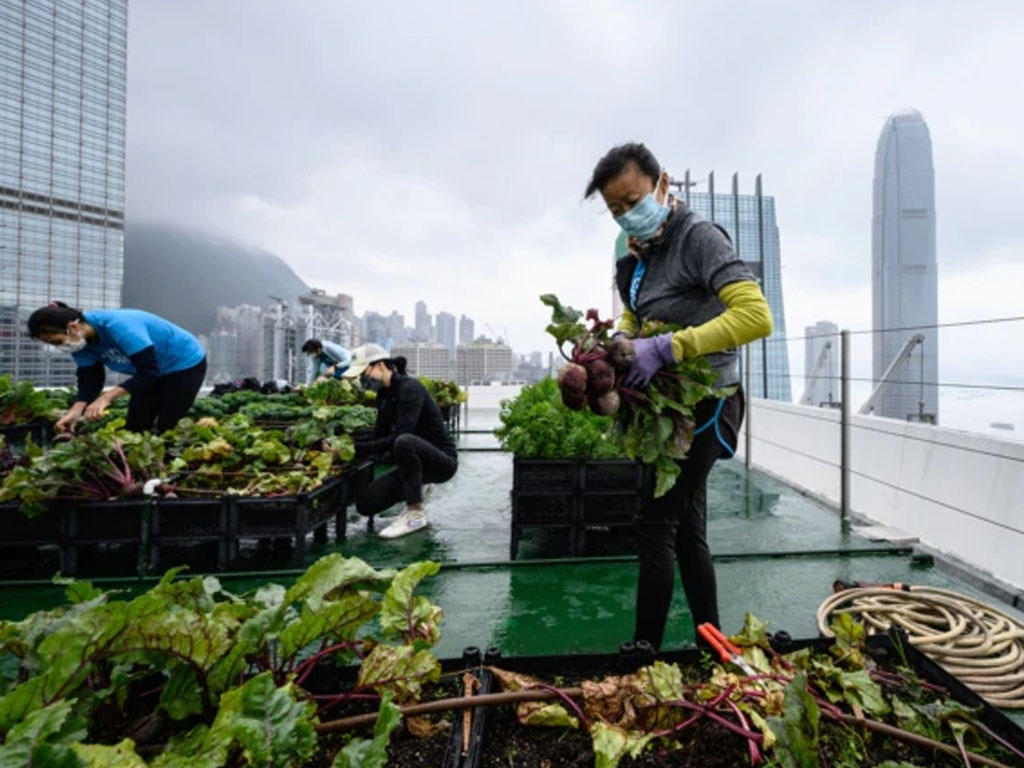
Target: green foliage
(445, 393)
(372, 753)
(22, 403)
(535, 425)
(611, 744)
(232, 666)
(796, 729)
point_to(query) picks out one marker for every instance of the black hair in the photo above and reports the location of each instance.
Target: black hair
(312, 345)
(616, 160)
(397, 364)
(52, 319)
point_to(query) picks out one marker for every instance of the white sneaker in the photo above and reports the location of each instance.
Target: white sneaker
(407, 522)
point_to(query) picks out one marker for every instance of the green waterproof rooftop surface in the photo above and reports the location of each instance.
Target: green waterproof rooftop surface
(777, 554)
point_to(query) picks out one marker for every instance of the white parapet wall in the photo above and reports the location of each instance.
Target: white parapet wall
(961, 493)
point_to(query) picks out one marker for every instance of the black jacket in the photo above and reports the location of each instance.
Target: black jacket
(406, 408)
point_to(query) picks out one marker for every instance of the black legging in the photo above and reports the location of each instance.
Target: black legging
(167, 401)
(416, 462)
(672, 530)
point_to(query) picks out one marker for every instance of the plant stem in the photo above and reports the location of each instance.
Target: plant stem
(572, 704)
(913, 738)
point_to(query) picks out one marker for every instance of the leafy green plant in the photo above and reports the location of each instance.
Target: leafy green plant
(536, 425)
(445, 393)
(200, 676)
(21, 402)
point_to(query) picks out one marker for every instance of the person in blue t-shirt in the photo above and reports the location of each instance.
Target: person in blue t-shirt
(166, 364)
(326, 359)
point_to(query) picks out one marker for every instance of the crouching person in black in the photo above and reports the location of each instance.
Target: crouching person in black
(410, 433)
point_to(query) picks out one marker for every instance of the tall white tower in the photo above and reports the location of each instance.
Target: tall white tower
(903, 268)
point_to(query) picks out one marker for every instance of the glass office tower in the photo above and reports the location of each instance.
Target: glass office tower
(62, 168)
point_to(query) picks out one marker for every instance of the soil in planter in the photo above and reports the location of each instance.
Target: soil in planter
(704, 745)
(404, 750)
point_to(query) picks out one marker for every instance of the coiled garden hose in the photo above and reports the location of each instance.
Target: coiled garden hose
(974, 641)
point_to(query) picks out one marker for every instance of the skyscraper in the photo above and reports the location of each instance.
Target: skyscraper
(446, 330)
(62, 145)
(466, 330)
(903, 270)
(750, 222)
(424, 323)
(821, 365)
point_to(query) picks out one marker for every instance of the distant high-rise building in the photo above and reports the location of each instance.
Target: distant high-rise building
(821, 365)
(483, 361)
(424, 323)
(466, 330)
(904, 279)
(63, 73)
(377, 329)
(425, 359)
(396, 328)
(446, 330)
(751, 224)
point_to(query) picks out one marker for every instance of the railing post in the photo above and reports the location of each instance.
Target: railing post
(844, 447)
(749, 434)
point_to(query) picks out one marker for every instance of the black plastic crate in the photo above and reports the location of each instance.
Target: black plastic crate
(544, 475)
(357, 477)
(177, 526)
(619, 475)
(15, 435)
(543, 509)
(609, 508)
(284, 517)
(20, 530)
(92, 522)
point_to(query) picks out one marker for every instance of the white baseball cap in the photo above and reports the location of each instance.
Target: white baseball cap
(363, 357)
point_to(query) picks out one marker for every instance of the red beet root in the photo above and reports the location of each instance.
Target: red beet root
(573, 402)
(600, 377)
(622, 354)
(606, 404)
(572, 380)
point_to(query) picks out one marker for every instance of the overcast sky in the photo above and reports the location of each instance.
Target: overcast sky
(406, 150)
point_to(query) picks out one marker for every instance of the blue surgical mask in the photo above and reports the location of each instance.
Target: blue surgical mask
(643, 219)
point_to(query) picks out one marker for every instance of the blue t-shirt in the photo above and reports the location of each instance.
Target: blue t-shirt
(125, 332)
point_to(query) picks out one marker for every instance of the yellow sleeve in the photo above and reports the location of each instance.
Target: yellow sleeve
(628, 323)
(747, 317)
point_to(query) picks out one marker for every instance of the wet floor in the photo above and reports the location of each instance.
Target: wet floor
(535, 605)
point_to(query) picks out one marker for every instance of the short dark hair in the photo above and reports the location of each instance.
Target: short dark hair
(54, 318)
(312, 345)
(397, 364)
(616, 160)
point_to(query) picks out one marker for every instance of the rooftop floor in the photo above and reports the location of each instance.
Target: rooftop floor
(777, 553)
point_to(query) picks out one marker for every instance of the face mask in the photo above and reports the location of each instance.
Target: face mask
(72, 346)
(643, 219)
(370, 385)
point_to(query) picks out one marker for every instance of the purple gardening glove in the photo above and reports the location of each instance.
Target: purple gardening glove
(651, 355)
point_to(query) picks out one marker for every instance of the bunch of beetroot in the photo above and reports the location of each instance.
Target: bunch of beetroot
(597, 364)
(655, 425)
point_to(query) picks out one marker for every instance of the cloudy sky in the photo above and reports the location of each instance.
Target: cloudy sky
(407, 150)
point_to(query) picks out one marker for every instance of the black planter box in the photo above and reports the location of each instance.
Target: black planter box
(880, 646)
(177, 525)
(285, 517)
(41, 431)
(577, 494)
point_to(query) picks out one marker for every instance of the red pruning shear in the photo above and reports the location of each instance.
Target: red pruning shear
(726, 650)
